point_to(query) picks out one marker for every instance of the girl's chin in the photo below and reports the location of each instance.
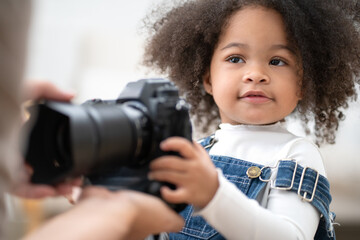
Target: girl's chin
(253, 123)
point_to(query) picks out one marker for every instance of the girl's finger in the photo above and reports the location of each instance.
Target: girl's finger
(167, 176)
(169, 162)
(199, 147)
(178, 195)
(180, 145)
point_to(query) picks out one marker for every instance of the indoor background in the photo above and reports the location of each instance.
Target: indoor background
(94, 47)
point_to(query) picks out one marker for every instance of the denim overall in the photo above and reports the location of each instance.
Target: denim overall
(306, 182)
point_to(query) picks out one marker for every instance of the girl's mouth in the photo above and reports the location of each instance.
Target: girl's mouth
(255, 97)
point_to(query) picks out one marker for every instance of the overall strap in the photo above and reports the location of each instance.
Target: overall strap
(207, 142)
(311, 187)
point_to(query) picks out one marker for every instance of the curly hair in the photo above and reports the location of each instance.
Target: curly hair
(182, 40)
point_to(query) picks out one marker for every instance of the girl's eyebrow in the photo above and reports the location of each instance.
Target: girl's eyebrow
(273, 47)
(235, 44)
(285, 47)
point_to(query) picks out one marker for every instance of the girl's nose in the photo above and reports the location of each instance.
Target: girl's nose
(256, 74)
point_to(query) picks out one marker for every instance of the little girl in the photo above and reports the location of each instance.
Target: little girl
(250, 64)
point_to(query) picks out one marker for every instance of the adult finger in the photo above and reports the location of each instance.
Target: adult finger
(34, 191)
(93, 191)
(45, 90)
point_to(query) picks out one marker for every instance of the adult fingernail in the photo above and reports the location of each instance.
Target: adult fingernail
(150, 176)
(163, 144)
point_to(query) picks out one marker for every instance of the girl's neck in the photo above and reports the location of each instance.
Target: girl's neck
(244, 124)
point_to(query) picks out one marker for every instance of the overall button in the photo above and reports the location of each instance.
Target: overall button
(253, 172)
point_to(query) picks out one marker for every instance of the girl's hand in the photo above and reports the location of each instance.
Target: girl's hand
(193, 173)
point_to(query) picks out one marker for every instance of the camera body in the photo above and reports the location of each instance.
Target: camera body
(111, 142)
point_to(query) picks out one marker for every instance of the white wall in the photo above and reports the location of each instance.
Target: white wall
(93, 47)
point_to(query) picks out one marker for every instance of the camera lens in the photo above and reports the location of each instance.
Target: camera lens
(62, 138)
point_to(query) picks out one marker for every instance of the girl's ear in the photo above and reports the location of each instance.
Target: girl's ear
(207, 82)
(300, 95)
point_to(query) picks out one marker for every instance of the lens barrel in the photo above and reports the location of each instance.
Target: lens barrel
(70, 140)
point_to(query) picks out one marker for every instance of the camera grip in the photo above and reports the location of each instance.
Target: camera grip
(134, 179)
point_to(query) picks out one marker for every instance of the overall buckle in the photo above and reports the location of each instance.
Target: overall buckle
(292, 179)
(211, 142)
(304, 196)
(272, 182)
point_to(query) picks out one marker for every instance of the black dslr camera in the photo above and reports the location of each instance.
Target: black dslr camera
(111, 142)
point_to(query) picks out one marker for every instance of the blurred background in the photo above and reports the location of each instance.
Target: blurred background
(94, 47)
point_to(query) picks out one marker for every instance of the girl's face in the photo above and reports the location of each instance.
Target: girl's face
(254, 74)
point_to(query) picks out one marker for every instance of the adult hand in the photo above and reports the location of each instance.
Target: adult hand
(143, 214)
(36, 90)
(25, 189)
(101, 214)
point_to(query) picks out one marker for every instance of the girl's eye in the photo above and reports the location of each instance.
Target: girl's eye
(235, 59)
(277, 62)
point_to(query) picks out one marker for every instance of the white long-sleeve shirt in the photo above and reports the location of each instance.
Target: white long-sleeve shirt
(282, 214)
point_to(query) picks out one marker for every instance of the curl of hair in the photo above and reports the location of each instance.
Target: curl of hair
(182, 40)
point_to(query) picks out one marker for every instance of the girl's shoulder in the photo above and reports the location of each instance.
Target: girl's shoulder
(305, 152)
